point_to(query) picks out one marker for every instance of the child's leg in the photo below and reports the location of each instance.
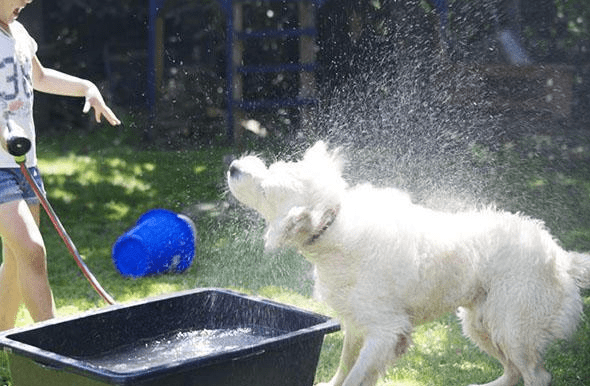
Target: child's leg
(10, 296)
(21, 235)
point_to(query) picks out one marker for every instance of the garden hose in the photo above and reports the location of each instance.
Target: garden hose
(18, 146)
(63, 234)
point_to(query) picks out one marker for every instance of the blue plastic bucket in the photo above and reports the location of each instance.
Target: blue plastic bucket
(161, 241)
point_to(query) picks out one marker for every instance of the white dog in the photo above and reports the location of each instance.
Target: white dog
(385, 265)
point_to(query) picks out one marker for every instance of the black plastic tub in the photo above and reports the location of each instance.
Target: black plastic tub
(274, 344)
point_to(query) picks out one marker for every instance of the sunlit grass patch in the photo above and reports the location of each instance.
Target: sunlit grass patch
(100, 194)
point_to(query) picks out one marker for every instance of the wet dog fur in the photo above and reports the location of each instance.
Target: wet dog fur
(385, 265)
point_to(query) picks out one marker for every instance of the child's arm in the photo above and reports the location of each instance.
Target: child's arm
(56, 82)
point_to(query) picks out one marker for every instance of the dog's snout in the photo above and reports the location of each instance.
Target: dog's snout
(234, 171)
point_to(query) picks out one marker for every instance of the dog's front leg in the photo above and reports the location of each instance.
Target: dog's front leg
(350, 351)
(378, 351)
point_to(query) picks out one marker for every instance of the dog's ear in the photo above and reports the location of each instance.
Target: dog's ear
(298, 226)
(319, 156)
(291, 229)
(323, 172)
(302, 226)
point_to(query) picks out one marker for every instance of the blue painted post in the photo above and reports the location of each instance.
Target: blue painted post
(155, 6)
(442, 8)
(151, 60)
(227, 6)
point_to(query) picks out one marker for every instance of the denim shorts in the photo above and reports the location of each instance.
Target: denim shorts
(14, 186)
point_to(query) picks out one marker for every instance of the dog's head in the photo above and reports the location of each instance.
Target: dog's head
(297, 199)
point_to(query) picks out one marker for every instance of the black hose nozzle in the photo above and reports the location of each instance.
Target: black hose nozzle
(14, 140)
(18, 146)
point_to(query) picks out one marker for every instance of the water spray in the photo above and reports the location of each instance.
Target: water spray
(14, 140)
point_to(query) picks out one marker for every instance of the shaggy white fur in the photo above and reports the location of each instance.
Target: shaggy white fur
(385, 265)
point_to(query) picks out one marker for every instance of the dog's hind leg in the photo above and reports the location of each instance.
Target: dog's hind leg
(473, 327)
(536, 375)
(377, 352)
(521, 318)
(526, 354)
(511, 374)
(510, 377)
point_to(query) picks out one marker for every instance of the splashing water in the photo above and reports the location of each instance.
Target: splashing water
(412, 117)
(177, 346)
(415, 129)
(408, 116)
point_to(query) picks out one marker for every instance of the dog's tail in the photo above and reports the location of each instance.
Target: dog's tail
(580, 269)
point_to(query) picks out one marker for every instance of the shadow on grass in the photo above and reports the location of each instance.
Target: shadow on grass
(100, 195)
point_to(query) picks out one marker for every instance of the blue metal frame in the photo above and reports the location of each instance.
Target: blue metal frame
(443, 9)
(261, 104)
(270, 68)
(226, 5)
(155, 6)
(509, 41)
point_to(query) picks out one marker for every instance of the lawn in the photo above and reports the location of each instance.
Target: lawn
(99, 190)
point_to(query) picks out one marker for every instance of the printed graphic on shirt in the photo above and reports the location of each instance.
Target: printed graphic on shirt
(16, 89)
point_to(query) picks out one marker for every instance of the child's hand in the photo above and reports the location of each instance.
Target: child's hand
(94, 100)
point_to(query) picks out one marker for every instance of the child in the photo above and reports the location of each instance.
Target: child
(23, 273)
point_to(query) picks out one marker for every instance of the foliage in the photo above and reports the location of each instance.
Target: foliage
(78, 31)
(544, 177)
(106, 41)
(551, 30)
(355, 35)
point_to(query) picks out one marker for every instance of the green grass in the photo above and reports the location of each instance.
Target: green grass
(99, 190)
